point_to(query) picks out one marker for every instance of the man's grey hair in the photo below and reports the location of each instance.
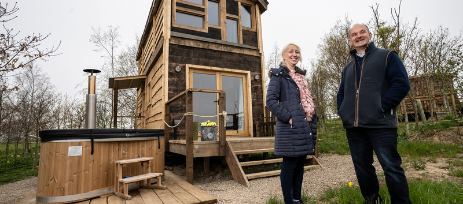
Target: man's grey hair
(348, 32)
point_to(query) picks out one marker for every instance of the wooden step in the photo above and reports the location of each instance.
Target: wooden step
(273, 173)
(268, 161)
(140, 177)
(253, 151)
(128, 161)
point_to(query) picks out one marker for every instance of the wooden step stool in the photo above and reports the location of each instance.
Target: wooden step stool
(146, 176)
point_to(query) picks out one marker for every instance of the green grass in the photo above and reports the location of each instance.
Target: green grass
(456, 167)
(421, 192)
(14, 168)
(333, 141)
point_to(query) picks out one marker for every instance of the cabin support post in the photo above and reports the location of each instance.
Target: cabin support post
(189, 137)
(222, 131)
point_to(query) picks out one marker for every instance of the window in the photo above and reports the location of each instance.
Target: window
(189, 14)
(246, 16)
(213, 13)
(232, 30)
(200, 2)
(189, 20)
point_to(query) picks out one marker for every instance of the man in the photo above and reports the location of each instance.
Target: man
(372, 86)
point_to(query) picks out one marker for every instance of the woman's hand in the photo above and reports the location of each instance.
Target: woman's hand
(291, 121)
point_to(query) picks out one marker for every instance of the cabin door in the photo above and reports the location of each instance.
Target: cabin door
(205, 104)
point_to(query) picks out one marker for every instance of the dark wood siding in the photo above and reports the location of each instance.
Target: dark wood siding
(213, 33)
(181, 55)
(250, 38)
(232, 7)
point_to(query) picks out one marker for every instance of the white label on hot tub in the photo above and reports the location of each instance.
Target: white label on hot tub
(75, 151)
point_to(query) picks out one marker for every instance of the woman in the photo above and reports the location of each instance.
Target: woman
(289, 99)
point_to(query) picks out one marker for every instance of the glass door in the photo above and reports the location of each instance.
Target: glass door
(205, 104)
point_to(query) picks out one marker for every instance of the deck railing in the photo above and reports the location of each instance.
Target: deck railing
(188, 94)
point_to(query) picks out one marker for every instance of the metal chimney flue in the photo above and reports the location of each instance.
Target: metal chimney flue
(90, 109)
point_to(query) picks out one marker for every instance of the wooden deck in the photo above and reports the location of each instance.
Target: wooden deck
(178, 191)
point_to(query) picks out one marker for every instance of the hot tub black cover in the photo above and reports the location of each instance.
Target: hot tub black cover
(77, 134)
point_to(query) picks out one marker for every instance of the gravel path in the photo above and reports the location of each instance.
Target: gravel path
(14, 192)
(336, 170)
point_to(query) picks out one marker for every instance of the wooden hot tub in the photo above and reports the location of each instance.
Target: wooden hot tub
(78, 164)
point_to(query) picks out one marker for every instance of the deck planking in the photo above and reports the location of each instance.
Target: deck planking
(177, 191)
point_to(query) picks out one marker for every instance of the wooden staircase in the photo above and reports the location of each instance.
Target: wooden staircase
(236, 166)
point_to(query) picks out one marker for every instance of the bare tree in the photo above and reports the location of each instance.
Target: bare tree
(17, 52)
(333, 55)
(106, 43)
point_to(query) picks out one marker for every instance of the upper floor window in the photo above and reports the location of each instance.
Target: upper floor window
(246, 16)
(189, 20)
(213, 13)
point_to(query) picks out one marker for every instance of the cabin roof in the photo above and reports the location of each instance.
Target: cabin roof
(154, 8)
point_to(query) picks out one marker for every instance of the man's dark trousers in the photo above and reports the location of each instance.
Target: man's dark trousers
(362, 142)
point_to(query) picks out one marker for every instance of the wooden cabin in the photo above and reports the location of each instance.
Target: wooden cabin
(201, 44)
(434, 96)
(200, 58)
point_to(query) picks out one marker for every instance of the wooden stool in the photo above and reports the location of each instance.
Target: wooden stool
(146, 176)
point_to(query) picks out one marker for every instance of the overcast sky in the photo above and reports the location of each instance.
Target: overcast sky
(303, 22)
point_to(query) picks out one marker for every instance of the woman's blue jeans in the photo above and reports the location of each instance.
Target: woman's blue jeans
(362, 142)
(292, 173)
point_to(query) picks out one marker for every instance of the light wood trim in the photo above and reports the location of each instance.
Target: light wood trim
(260, 45)
(235, 167)
(165, 75)
(191, 11)
(240, 28)
(223, 19)
(234, 17)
